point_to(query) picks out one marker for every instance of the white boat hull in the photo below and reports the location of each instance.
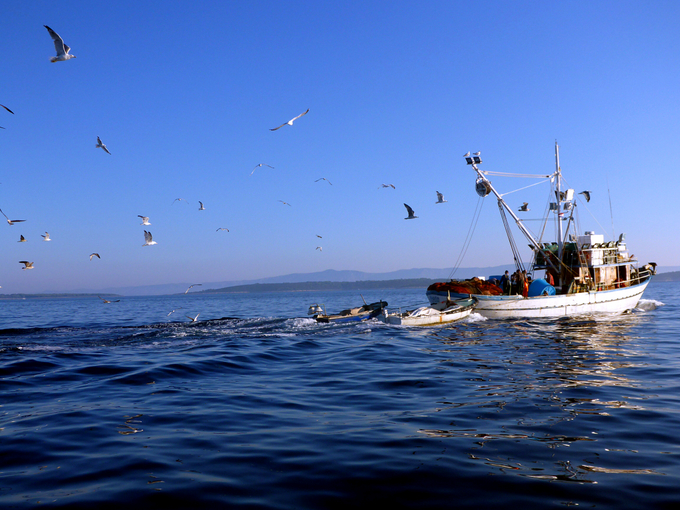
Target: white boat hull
(562, 305)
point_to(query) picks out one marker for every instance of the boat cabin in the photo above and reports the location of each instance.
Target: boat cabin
(588, 263)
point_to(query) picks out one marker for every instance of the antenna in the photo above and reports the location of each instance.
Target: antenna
(611, 212)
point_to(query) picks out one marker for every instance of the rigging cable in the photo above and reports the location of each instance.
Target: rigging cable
(468, 238)
(515, 252)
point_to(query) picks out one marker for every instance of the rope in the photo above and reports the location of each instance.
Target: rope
(468, 238)
(519, 265)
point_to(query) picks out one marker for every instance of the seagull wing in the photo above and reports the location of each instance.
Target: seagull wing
(4, 214)
(147, 236)
(10, 111)
(274, 129)
(59, 45)
(303, 113)
(409, 210)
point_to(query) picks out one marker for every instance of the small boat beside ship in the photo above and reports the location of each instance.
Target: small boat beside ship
(574, 275)
(360, 313)
(443, 312)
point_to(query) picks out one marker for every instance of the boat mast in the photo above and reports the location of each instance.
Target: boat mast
(558, 193)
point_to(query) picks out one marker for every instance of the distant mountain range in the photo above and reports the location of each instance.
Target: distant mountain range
(329, 275)
(669, 273)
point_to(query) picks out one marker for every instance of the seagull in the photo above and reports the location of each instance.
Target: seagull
(148, 239)
(258, 166)
(222, 228)
(324, 179)
(478, 153)
(285, 203)
(178, 199)
(94, 255)
(317, 235)
(387, 186)
(586, 194)
(319, 248)
(201, 208)
(173, 311)
(11, 222)
(194, 285)
(524, 207)
(107, 301)
(467, 154)
(290, 122)
(22, 239)
(100, 145)
(62, 49)
(440, 198)
(46, 237)
(27, 264)
(193, 319)
(10, 111)
(411, 215)
(145, 220)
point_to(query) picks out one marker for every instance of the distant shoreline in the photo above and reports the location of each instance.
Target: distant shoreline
(405, 283)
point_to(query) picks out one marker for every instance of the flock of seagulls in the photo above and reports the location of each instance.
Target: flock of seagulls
(63, 54)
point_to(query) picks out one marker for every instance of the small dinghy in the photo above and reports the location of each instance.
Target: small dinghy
(444, 312)
(360, 313)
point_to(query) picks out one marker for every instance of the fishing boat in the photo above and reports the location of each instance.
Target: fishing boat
(575, 275)
(443, 312)
(360, 313)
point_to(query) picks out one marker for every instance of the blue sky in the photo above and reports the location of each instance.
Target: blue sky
(185, 96)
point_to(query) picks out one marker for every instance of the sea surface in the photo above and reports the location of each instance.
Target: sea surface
(255, 405)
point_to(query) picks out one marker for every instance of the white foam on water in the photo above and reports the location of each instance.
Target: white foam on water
(649, 304)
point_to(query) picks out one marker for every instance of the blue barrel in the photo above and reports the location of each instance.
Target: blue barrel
(541, 287)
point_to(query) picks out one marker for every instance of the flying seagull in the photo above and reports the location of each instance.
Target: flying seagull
(107, 301)
(46, 237)
(200, 207)
(317, 235)
(193, 319)
(10, 111)
(194, 285)
(173, 311)
(319, 248)
(324, 179)
(586, 194)
(62, 49)
(22, 239)
(27, 264)
(290, 122)
(145, 220)
(524, 207)
(285, 203)
(440, 198)
(148, 239)
(11, 222)
(411, 214)
(178, 200)
(94, 255)
(222, 228)
(258, 166)
(100, 145)
(387, 186)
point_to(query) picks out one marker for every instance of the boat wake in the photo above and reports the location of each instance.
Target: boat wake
(648, 304)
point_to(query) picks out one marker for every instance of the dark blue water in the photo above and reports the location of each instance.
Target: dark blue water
(256, 406)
